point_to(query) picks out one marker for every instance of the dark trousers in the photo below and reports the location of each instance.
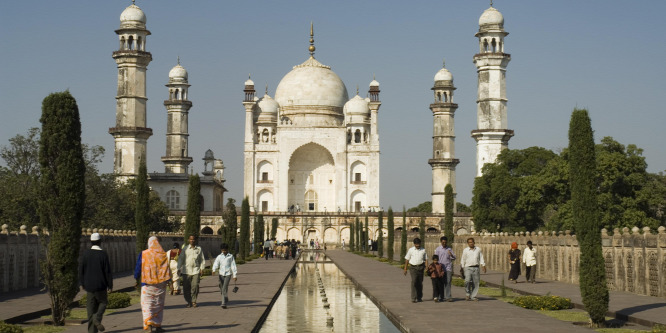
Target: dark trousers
(266, 252)
(416, 272)
(438, 288)
(530, 272)
(191, 287)
(96, 302)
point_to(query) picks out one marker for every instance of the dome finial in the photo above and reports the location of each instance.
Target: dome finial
(266, 88)
(312, 47)
(132, 1)
(179, 60)
(357, 89)
(443, 62)
(491, 3)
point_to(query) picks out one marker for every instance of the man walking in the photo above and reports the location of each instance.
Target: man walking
(471, 259)
(529, 258)
(226, 265)
(267, 248)
(446, 258)
(191, 264)
(95, 278)
(416, 259)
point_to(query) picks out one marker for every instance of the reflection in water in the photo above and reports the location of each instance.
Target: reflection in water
(300, 306)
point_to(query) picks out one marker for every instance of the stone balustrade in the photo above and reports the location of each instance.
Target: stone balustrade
(635, 259)
(21, 250)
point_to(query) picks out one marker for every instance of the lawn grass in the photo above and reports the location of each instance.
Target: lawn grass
(43, 329)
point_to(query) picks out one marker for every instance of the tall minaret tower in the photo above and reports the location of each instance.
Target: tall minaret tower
(131, 132)
(443, 160)
(492, 134)
(249, 102)
(177, 158)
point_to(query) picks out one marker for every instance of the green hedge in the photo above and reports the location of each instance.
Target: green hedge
(116, 301)
(207, 271)
(9, 328)
(547, 302)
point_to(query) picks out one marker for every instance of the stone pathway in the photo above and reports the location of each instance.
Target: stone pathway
(258, 281)
(389, 289)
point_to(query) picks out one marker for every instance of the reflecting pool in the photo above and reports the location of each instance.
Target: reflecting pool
(303, 307)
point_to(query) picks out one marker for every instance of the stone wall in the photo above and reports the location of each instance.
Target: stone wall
(20, 253)
(635, 259)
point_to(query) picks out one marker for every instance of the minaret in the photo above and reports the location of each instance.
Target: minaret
(443, 161)
(492, 135)
(249, 103)
(131, 132)
(177, 158)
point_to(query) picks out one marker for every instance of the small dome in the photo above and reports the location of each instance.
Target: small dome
(374, 83)
(491, 16)
(132, 16)
(357, 106)
(218, 164)
(268, 105)
(178, 72)
(249, 82)
(209, 155)
(443, 75)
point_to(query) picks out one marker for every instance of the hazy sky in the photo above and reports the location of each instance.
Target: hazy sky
(602, 55)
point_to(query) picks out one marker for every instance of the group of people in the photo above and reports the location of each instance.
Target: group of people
(281, 250)
(440, 270)
(155, 270)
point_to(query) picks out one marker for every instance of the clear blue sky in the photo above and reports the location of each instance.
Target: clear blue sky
(602, 55)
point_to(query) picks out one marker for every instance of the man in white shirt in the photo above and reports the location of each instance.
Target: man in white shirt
(529, 258)
(471, 259)
(226, 264)
(191, 264)
(416, 259)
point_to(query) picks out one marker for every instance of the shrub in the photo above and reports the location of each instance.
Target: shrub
(9, 328)
(116, 301)
(547, 302)
(207, 271)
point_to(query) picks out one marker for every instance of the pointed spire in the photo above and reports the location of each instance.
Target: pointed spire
(491, 3)
(178, 60)
(357, 89)
(312, 47)
(444, 61)
(266, 88)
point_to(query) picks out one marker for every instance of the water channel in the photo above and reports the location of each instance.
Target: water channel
(303, 307)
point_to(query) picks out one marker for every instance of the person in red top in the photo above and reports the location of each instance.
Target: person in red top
(436, 272)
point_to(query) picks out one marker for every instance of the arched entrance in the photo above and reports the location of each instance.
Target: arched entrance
(312, 178)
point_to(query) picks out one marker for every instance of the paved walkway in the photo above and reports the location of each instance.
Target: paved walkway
(389, 289)
(259, 282)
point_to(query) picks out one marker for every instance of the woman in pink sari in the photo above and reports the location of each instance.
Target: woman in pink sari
(152, 267)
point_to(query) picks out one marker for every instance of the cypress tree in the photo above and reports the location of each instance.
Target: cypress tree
(391, 234)
(231, 225)
(422, 230)
(245, 229)
(142, 208)
(359, 239)
(403, 237)
(448, 213)
(61, 199)
(274, 226)
(380, 234)
(259, 234)
(582, 169)
(352, 236)
(193, 217)
(366, 236)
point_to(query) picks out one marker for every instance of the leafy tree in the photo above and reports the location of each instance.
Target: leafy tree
(380, 234)
(230, 224)
(422, 231)
(448, 212)
(193, 215)
(61, 198)
(366, 235)
(141, 219)
(462, 208)
(244, 241)
(403, 237)
(424, 207)
(583, 183)
(274, 226)
(391, 234)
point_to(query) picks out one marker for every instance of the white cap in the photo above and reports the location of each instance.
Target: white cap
(95, 237)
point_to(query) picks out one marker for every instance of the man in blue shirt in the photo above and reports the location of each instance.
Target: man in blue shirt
(446, 258)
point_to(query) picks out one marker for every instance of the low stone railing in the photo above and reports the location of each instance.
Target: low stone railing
(21, 250)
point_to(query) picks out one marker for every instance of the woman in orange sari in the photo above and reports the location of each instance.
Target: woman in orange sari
(152, 267)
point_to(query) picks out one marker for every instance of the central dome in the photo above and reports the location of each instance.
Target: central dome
(311, 84)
